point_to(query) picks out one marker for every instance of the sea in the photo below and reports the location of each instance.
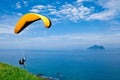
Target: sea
(68, 64)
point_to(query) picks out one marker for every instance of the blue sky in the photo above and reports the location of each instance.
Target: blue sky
(75, 24)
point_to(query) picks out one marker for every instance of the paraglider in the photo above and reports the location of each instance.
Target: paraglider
(26, 20)
(22, 61)
(29, 18)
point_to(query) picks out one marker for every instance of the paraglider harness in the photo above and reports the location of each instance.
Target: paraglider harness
(22, 61)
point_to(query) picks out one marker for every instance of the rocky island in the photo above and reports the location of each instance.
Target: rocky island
(96, 47)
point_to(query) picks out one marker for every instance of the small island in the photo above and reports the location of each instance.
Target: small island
(96, 47)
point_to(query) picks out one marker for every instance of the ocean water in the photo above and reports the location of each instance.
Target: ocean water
(72, 65)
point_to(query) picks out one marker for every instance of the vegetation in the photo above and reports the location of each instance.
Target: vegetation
(9, 72)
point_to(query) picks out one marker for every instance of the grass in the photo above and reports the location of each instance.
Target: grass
(9, 72)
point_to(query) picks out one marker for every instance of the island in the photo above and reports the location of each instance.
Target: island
(96, 47)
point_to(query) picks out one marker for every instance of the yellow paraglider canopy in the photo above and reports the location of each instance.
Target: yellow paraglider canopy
(29, 18)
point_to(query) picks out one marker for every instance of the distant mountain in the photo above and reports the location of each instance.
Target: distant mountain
(96, 47)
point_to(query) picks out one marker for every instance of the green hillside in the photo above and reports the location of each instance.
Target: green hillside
(9, 72)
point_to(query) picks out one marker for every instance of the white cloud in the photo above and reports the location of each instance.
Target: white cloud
(25, 3)
(34, 10)
(7, 24)
(6, 29)
(76, 11)
(73, 12)
(21, 4)
(42, 8)
(80, 0)
(64, 41)
(19, 14)
(18, 5)
(115, 28)
(38, 8)
(110, 4)
(112, 9)
(105, 15)
(69, 41)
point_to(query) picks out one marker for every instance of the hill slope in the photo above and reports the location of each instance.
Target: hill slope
(9, 72)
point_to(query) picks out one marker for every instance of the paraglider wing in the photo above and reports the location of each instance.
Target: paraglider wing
(29, 18)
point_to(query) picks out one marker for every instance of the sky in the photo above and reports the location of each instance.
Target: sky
(76, 24)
